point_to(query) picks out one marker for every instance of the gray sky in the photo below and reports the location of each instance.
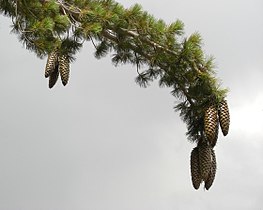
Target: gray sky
(102, 142)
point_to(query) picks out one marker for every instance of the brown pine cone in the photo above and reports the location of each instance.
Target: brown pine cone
(195, 169)
(224, 117)
(53, 77)
(64, 68)
(51, 63)
(211, 124)
(211, 177)
(205, 160)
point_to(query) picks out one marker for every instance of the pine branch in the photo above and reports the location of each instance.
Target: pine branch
(135, 36)
(110, 36)
(60, 27)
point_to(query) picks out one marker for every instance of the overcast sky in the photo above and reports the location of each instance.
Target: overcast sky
(104, 143)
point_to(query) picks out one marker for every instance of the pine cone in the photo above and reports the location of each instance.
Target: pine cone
(51, 63)
(211, 177)
(211, 123)
(53, 77)
(224, 117)
(205, 160)
(214, 140)
(63, 61)
(195, 169)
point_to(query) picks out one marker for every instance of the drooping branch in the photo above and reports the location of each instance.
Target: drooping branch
(58, 28)
(134, 36)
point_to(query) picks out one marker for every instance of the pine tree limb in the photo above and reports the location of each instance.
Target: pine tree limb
(134, 36)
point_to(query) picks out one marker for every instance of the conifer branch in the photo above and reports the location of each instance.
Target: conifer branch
(150, 42)
(135, 36)
(58, 28)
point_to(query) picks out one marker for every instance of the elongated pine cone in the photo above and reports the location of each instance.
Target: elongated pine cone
(53, 77)
(214, 140)
(195, 168)
(211, 177)
(211, 124)
(64, 68)
(224, 117)
(51, 63)
(205, 160)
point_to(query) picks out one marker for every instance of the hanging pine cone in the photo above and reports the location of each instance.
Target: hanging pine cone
(211, 177)
(224, 117)
(211, 123)
(214, 140)
(53, 77)
(63, 61)
(205, 160)
(51, 63)
(195, 169)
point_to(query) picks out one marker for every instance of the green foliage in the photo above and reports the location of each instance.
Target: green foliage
(157, 50)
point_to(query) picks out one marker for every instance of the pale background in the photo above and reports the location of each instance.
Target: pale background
(104, 143)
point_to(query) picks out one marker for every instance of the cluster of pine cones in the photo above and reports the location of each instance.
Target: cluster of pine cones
(203, 158)
(57, 64)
